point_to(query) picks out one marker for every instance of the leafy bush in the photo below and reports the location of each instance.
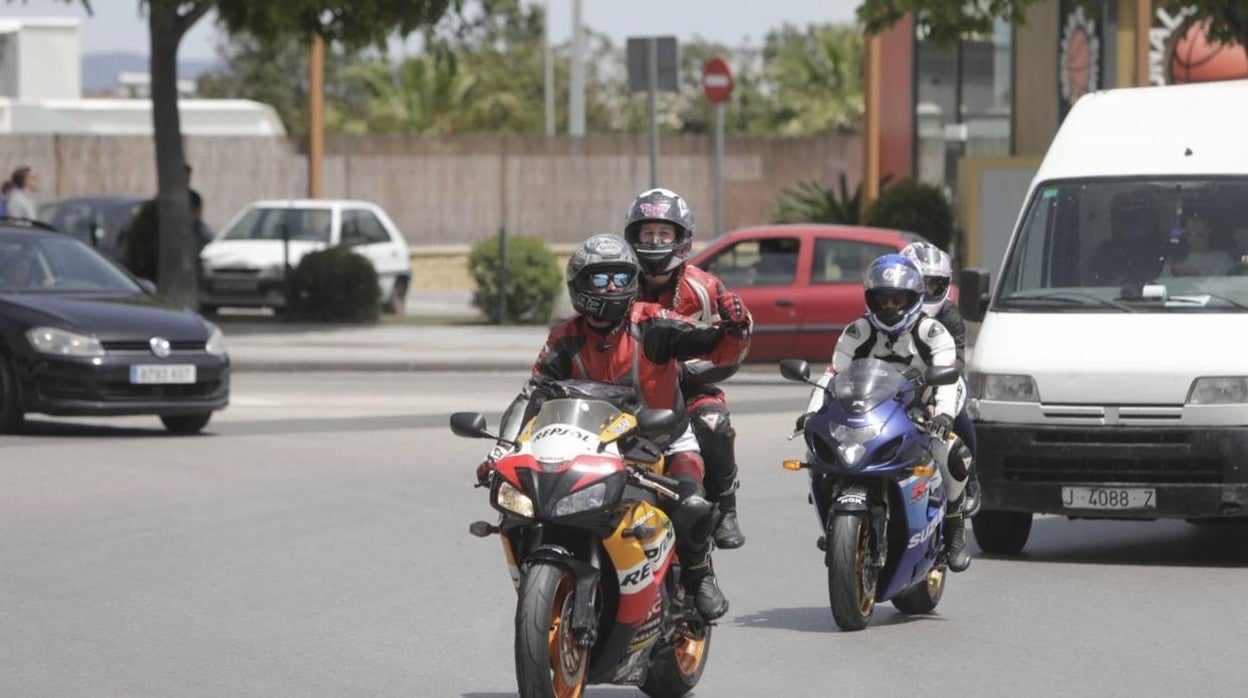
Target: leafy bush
(916, 207)
(533, 279)
(809, 202)
(335, 285)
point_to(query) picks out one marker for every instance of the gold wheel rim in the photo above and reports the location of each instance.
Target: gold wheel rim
(865, 583)
(689, 652)
(567, 661)
(935, 581)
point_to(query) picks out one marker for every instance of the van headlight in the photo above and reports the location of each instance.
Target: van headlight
(514, 500)
(587, 499)
(1004, 387)
(1218, 391)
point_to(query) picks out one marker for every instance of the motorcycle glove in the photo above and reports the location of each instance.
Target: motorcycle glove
(735, 318)
(940, 426)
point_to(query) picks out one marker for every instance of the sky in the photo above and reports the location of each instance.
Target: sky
(117, 25)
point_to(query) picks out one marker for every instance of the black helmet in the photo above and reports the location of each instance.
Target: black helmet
(597, 264)
(660, 206)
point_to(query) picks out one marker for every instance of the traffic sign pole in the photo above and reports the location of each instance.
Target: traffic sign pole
(653, 78)
(717, 85)
(719, 169)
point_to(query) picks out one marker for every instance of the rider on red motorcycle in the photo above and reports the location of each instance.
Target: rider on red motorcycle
(659, 226)
(615, 340)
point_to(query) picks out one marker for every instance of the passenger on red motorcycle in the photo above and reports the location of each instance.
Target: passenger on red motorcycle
(659, 226)
(895, 329)
(614, 339)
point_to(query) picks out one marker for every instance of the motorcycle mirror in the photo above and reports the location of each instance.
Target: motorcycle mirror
(651, 423)
(795, 370)
(941, 375)
(470, 425)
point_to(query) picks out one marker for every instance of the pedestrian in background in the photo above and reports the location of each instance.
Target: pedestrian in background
(20, 204)
(4, 198)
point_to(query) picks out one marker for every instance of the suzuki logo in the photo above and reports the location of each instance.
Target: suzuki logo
(160, 347)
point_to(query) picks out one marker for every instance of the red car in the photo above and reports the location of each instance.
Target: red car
(802, 282)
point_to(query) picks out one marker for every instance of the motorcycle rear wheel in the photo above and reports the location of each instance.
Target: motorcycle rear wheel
(922, 597)
(548, 662)
(676, 669)
(851, 580)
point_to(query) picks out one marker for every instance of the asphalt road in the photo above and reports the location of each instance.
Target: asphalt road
(315, 542)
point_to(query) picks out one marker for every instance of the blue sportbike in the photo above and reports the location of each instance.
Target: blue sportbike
(877, 488)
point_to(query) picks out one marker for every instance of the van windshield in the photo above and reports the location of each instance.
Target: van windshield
(1116, 245)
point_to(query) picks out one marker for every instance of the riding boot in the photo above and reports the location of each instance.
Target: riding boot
(692, 518)
(973, 498)
(728, 533)
(955, 536)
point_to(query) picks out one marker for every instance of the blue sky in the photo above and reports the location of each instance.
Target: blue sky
(118, 26)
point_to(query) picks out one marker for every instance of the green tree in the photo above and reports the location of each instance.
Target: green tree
(810, 202)
(945, 21)
(352, 22)
(816, 77)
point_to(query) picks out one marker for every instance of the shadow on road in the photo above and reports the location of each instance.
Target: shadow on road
(818, 619)
(73, 429)
(1146, 543)
(591, 692)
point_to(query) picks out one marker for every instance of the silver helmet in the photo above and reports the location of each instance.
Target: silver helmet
(602, 277)
(937, 270)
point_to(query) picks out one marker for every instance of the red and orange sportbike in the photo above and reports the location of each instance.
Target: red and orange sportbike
(591, 555)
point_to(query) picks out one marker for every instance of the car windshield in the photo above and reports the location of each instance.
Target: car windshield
(866, 383)
(54, 264)
(1115, 245)
(311, 224)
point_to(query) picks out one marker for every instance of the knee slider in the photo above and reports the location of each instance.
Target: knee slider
(713, 420)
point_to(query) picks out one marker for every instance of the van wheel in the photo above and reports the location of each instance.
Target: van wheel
(397, 302)
(1002, 532)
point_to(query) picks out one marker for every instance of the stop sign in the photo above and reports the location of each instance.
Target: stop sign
(716, 80)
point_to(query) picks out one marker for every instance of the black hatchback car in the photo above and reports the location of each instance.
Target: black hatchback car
(81, 336)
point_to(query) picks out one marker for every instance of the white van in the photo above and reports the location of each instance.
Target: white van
(1110, 375)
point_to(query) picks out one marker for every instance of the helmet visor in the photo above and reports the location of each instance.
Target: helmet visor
(603, 279)
(936, 287)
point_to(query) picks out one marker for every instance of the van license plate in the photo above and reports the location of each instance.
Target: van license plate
(1109, 498)
(236, 285)
(158, 374)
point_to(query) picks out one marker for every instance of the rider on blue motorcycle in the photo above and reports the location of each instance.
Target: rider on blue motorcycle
(895, 329)
(937, 269)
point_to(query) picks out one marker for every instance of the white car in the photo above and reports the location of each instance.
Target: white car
(244, 265)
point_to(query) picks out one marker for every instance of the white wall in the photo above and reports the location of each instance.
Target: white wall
(48, 59)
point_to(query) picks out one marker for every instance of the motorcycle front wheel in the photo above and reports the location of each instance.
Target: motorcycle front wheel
(922, 597)
(549, 664)
(851, 578)
(677, 666)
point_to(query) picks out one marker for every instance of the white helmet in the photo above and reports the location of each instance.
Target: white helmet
(937, 271)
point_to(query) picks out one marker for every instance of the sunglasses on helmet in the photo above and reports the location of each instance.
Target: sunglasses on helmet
(619, 278)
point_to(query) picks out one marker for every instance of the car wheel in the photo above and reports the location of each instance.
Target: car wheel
(185, 423)
(11, 416)
(397, 302)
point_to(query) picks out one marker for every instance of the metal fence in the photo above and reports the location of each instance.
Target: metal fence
(453, 191)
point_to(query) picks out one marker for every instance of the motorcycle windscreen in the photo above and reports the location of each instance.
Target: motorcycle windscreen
(866, 384)
(564, 429)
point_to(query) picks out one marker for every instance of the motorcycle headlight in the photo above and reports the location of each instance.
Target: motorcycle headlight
(851, 453)
(514, 500)
(216, 342)
(587, 499)
(1004, 387)
(856, 435)
(51, 340)
(1218, 391)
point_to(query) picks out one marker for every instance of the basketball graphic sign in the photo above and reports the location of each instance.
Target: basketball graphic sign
(1079, 57)
(1194, 58)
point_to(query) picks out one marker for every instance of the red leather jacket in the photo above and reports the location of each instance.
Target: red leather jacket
(643, 351)
(695, 294)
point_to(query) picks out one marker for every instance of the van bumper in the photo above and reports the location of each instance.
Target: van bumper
(1196, 473)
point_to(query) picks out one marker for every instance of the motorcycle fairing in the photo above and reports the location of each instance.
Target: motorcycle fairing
(641, 550)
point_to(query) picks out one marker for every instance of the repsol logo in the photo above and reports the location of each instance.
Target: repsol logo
(636, 577)
(658, 552)
(562, 431)
(922, 536)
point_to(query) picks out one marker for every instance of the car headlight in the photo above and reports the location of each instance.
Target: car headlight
(216, 342)
(1218, 391)
(586, 500)
(51, 340)
(1004, 387)
(514, 500)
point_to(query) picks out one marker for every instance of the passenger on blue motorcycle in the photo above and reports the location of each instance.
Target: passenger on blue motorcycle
(895, 329)
(937, 269)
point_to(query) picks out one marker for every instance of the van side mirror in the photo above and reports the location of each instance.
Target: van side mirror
(148, 287)
(973, 291)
